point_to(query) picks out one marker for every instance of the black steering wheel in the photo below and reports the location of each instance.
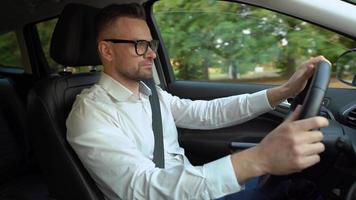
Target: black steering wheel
(311, 99)
(312, 96)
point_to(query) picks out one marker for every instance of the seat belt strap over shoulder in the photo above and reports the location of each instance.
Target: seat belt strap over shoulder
(158, 152)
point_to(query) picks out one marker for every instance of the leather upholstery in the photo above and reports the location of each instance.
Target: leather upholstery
(13, 144)
(50, 102)
(19, 178)
(73, 41)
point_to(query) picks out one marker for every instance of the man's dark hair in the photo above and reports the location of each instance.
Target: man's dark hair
(110, 13)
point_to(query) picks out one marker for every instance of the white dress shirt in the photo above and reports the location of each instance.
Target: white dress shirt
(110, 129)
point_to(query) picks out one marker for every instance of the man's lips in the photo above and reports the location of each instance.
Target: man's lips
(146, 65)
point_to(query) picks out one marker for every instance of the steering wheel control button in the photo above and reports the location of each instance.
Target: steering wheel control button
(325, 102)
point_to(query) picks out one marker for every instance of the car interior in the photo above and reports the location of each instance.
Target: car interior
(37, 163)
(53, 99)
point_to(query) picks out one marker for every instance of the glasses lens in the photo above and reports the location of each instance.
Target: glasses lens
(141, 47)
(154, 45)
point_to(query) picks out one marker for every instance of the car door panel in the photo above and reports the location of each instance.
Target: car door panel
(206, 145)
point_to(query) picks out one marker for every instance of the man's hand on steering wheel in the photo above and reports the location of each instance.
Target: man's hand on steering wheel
(296, 83)
(292, 146)
(297, 142)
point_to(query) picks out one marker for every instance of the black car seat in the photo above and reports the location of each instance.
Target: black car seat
(51, 99)
(19, 178)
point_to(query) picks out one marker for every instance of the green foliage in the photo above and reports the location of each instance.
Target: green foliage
(233, 39)
(45, 30)
(10, 55)
(237, 38)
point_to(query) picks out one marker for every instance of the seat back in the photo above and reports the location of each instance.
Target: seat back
(51, 99)
(49, 104)
(13, 144)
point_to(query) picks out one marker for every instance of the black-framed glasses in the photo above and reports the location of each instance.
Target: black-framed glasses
(141, 46)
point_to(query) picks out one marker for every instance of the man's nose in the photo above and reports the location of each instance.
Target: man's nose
(150, 53)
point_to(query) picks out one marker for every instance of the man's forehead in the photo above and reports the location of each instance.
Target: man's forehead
(127, 23)
(133, 27)
(130, 20)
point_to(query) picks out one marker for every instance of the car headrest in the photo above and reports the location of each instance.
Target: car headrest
(73, 40)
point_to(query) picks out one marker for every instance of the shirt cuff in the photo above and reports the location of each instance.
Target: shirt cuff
(260, 102)
(220, 177)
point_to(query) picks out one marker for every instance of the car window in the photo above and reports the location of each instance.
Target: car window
(10, 55)
(224, 41)
(45, 30)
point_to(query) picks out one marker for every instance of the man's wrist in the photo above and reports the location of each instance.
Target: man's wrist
(278, 94)
(286, 91)
(247, 165)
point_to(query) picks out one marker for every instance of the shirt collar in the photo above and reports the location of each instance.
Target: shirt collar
(119, 91)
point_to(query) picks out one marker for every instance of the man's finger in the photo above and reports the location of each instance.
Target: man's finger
(308, 71)
(320, 58)
(312, 137)
(311, 123)
(311, 149)
(310, 160)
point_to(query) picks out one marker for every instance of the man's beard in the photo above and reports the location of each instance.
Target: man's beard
(138, 75)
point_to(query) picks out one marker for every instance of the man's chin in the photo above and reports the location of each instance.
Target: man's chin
(145, 77)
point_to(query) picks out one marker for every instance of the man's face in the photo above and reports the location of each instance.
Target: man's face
(128, 65)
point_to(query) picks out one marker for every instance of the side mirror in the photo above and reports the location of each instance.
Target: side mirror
(346, 67)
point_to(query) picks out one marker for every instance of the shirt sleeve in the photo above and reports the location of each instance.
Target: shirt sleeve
(121, 171)
(217, 113)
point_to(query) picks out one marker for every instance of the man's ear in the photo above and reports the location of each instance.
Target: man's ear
(105, 51)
